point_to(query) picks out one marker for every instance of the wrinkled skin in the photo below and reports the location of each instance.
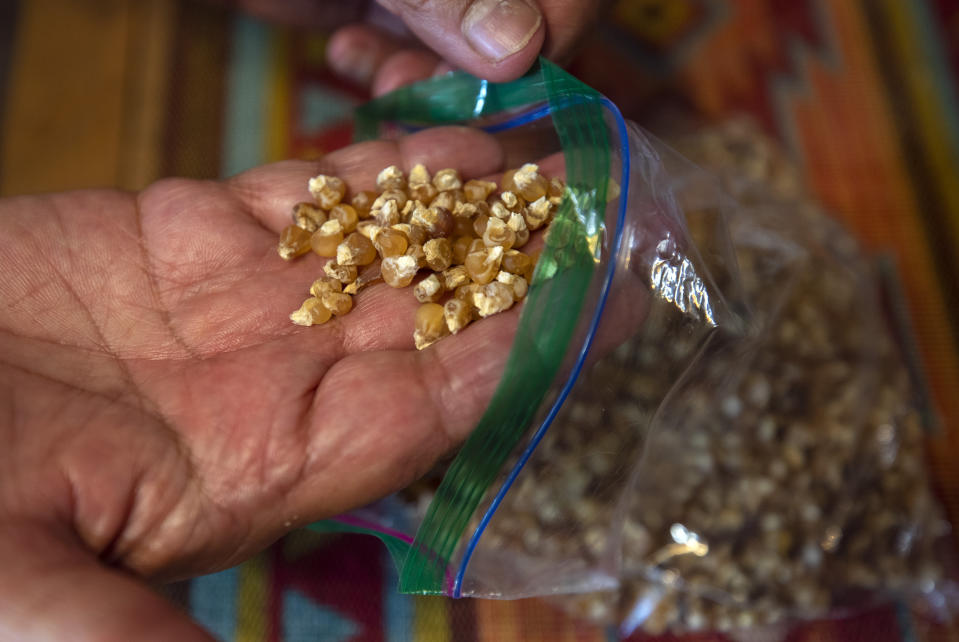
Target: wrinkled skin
(376, 57)
(163, 417)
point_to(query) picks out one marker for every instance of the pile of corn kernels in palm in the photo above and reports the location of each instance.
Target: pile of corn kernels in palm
(466, 235)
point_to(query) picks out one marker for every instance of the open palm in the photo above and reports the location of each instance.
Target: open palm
(163, 417)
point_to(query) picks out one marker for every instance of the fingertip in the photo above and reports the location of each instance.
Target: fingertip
(403, 68)
(357, 52)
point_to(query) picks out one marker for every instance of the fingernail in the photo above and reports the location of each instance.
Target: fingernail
(496, 29)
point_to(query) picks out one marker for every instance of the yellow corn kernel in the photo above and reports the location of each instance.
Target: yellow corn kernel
(312, 312)
(493, 298)
(530, 184)
(429, 290)
(327, 190)
(454, 278)
(398, 271)
(516, 284)
(325, 284)
(483, 265)
(390, 242)
(338, 303)
(308, 216)
(538, 213)
(363, 203)
(294, 242)
(476, 190)
(458, 314)
(325, 239)
(498, 234)
(430, 325)
(342, 273)
(355, 250)
(447, 179)
(390, 178)
(346, 215)
(439, 254)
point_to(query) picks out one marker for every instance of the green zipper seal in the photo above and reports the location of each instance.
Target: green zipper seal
(554, 302)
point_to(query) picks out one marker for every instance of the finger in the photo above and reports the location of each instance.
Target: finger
(493, 39)
(54, 590)
(567, 23)
(404, 68)
(269, 193)
(358, 51)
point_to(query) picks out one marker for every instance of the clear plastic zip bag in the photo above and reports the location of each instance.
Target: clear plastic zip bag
(616, 256)
(635, 461)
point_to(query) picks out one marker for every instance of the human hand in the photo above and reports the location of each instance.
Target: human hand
(493, 39)
(163, 417)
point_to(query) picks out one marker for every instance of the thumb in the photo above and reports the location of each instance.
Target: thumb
(493, 39)
(52, 590)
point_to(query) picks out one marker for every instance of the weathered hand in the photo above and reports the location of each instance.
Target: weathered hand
(161, 415)
(494, 39)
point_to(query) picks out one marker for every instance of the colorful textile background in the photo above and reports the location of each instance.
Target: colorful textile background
(862, 92)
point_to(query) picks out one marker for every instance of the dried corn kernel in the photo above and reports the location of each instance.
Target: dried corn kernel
(437, 221)
(537, 213)
(612, 190)
(342, 273)
(407, 210)
(346, 215)
(419, 175)
(325, 239)
(515, 262)
(429, 290)
(447, 179)
(294, 242)
(417, 234)
(418, 253)
(327, 190)
(512, 202)
(475, 190)
(458, 314)
(430, 325)
(446, 200)
(308, 216)
(498, 210)
(476, 245)
(517, 223)
(391, 195)
(455, 277)
(462, 227)
(339, 303)
(387, 214)
(557, 188)
(463, 211)
(355, 250)
(398, 271)
(325, 284)
(483, 265)
(517, 284)
(390, 242)
(466, 291)
(530, 184)
(461, 248)
(390, 178)
(363, 203)
(506, 183)
(498, 233)
(439, 254)
(479, 225)
(368, 228)
(493, 298)
(312, 312)
(425, 193)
